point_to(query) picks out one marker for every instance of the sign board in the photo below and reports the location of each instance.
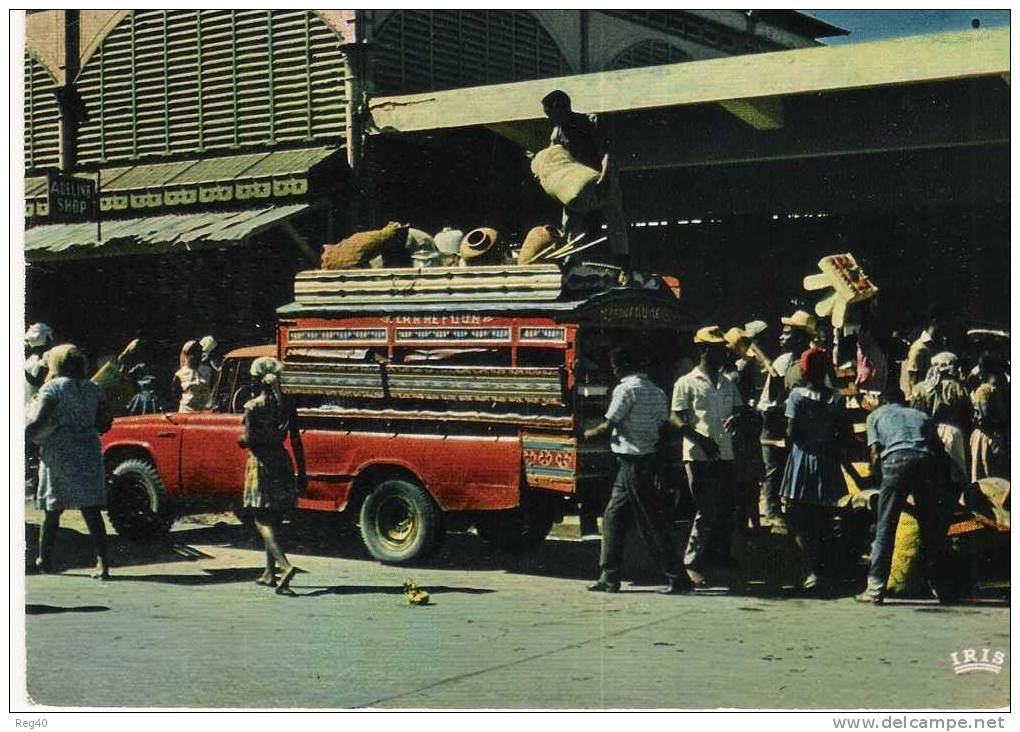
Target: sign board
(70, 198)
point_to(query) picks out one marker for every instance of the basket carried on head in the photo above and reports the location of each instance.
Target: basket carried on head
(113, 379)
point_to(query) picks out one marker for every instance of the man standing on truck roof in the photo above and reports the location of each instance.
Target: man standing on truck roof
(636, 414)
(706, 406)
(578, 135)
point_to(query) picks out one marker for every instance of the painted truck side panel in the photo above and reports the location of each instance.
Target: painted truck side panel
(461, 472)
(202, 459)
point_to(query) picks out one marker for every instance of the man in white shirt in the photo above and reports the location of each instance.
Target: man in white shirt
(635, 417)
(705, 405)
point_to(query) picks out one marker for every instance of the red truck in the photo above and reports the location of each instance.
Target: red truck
(426, 398)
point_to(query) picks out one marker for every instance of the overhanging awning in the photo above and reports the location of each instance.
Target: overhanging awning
(153, 234)
(249, 178)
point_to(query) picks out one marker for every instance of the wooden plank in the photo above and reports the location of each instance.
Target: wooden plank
(911, 60)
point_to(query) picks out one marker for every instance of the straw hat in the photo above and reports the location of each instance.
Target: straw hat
(710, 334)
(737, 340)
(801, 319)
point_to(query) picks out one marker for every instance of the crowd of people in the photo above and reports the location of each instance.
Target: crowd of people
(749, 427)
(786, 426)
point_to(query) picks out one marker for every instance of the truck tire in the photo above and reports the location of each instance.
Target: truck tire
(137, 502)
(400, 523)
(517, 530)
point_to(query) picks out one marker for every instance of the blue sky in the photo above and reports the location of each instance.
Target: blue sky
(872, 25)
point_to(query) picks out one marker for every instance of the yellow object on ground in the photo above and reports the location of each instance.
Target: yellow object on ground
(414, 595)
(906, 574)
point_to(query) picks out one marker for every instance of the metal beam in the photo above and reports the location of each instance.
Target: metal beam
(931, 123)
(912, 60)
(761, 114)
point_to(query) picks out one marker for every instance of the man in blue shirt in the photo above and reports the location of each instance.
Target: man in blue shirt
(903, 449)
(636, 414)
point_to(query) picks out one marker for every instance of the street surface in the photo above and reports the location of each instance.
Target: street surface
(182, 624)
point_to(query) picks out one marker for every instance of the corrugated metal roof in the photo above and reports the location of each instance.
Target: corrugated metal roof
(210, 170)
(152, 234)
(35, 187)
(285, 162)
(144, 176)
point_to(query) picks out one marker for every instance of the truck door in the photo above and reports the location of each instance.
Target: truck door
(212, 463)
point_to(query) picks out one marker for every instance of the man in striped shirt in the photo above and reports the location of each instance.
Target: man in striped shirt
(637, 412)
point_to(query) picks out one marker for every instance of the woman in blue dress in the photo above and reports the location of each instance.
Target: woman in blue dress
(66, 419)
(813, 479)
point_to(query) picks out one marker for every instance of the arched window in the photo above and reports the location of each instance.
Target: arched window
(425, 50)
(166, 82)
(648, 53)
(42, 117)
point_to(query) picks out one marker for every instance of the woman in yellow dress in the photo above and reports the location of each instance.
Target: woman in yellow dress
(270, 488)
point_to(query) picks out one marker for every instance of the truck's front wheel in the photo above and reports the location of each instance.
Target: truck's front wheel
(400, 523)
(137, 502)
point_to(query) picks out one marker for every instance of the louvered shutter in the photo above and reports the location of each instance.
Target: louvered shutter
(649, 53)
(423, 50)
(168, 82)
(42, 118)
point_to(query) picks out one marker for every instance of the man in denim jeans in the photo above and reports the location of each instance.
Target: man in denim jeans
(903, 451)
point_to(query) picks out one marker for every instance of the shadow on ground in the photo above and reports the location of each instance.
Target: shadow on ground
(769, 565)
(383, 590)
(53, 609)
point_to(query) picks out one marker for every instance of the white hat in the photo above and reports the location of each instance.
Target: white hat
(208, 344)
(38, 334)
(265, 365)
(755, 328)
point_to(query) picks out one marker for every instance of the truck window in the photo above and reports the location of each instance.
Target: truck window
(243, 389)
(224, 386)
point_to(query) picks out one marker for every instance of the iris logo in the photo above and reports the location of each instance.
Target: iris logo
(975, 660)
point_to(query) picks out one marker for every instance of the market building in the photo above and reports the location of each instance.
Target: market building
(229, 145)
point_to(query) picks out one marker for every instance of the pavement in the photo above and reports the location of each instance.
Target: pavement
(182, 624)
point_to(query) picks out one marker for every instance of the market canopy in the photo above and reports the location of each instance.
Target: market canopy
(153, 234)
(905, 93)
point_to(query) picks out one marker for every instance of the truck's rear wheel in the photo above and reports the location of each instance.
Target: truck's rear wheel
(400, 523)
(137, 502)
